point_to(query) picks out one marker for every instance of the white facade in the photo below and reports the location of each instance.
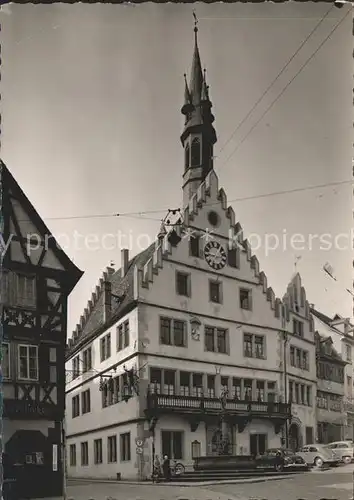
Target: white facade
(157, 298)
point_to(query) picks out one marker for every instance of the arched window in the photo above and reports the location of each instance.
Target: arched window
(195, 152)
(186, 157)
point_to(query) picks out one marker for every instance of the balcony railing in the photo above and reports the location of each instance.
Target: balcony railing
(22, 409)
(193, 404)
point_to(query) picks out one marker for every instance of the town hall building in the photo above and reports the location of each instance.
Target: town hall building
(185, 351)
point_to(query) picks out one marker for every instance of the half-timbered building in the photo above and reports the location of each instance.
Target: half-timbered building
(37, 278)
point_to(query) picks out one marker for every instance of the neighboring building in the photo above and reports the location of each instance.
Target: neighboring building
(191, 325)
(301, 365)
(37, 278)
(331, 421)
(341, 332)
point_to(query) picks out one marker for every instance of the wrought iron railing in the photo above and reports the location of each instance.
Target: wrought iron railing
(214, 405)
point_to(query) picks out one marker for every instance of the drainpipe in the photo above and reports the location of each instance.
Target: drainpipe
(285, 375)
(63, 457)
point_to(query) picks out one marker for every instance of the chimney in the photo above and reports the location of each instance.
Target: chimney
(107, 301)
(124, 261)
(346, 326)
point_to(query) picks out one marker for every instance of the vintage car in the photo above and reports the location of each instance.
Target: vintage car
(344, 449)
(280, 459)
(319, 455)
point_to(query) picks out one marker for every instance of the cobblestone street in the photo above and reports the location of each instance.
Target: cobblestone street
(312, 486)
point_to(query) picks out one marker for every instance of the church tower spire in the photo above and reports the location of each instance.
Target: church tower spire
(198, 136)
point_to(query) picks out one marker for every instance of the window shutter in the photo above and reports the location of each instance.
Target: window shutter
(43, 363)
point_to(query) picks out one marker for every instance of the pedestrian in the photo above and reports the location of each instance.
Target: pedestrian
(166, 468)
(157, 467)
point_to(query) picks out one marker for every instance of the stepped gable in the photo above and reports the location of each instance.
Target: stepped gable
(295, 299)
(164, 247)
(93, 324)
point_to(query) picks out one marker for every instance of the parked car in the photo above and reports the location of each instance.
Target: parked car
(344, 449)
(284, 459)
(318, 454)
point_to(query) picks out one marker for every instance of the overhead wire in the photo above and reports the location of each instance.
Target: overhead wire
(144, 214)
(303, 43)
(302, 67)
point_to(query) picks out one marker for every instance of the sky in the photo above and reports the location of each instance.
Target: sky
(91, 123)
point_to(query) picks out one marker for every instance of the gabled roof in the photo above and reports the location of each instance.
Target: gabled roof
(333, 353)
(9, 185)
(322, 317)
(94, 324)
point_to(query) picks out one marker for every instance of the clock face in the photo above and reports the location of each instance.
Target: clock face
(215, 255)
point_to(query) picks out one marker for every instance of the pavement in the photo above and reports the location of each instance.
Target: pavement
(332, 484)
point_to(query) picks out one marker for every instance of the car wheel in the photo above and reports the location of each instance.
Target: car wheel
(347, 460)
(278, 467)
(318, 462)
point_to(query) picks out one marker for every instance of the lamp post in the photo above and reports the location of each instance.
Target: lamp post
(224, 430)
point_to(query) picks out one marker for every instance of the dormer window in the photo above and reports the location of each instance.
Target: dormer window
(187, 157)
(195, 152)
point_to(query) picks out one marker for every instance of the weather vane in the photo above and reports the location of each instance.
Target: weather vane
(297, 258)
(195, 19)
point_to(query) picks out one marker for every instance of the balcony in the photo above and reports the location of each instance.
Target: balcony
(193, 405)
(20, 409)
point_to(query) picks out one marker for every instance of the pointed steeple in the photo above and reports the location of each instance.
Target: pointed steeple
(198, 136)
(196, 81)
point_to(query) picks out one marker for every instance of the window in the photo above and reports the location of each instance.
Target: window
(194, 246)
(183, 284)
(123, 336)
(236, 389)
(216, 339)
(105, 347)
(335, 402)
(233, 257)
(125, 447)
(215, 291)
(298, 328)
(211, 386)
(300, 394)
(86, 401)
(184, 383)
(87, 360)
(76, 367)
(19, 289)
(111, 449)
(197, 385)
(322, 400)
(187, 157)
(254, 346)
(75, 405)
(28, 362)
(348, 352)
(155, 380)
(97, 451)
(195, 152)
(260, 390)
(173, 332)
(299, 358)
(245, 299)
(84, 453)
(169, 382)
(172, 444)
(5, 362)
(72, 453)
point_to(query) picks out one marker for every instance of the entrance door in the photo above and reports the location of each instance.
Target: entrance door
(258, 444)
(294, 443)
